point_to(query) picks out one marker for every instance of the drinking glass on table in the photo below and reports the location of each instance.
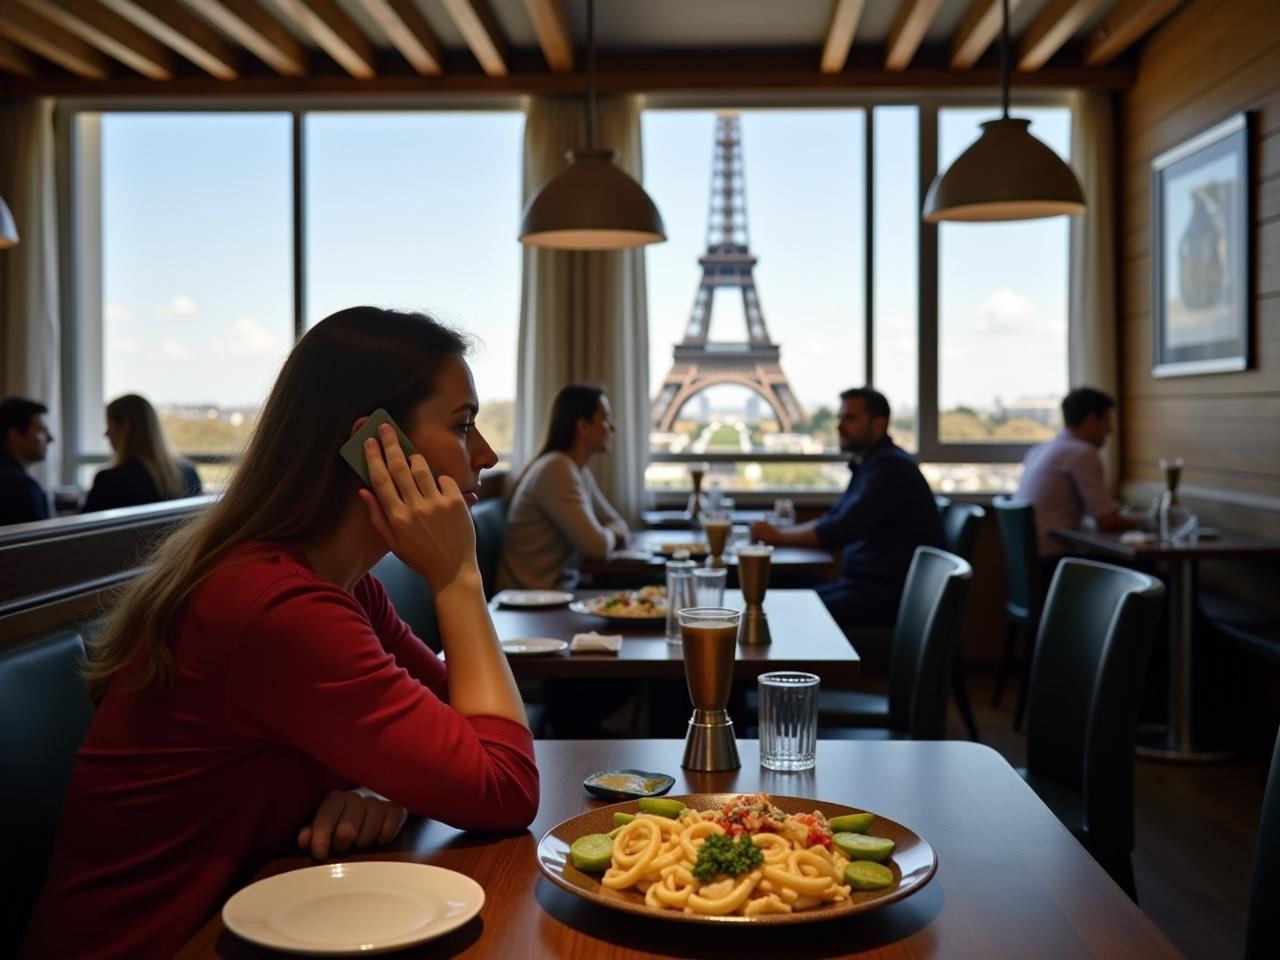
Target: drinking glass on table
(788, 720)
(784, 512)
(716, 524)
(681, 593)
(708, 584)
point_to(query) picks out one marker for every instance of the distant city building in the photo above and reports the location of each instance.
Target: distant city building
(1045, 411)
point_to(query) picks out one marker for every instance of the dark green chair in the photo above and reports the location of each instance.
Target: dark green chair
(411, 597)
(1090, 662)
(942, 502)
(1017, 522)
(44, 715)
(1262, 935)
(925, 637)
(960, 535)
(490, 518)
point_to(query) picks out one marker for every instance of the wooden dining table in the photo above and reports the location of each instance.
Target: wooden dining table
(647, 552)
(1176, 740)
(1011, 880)
(805, 637)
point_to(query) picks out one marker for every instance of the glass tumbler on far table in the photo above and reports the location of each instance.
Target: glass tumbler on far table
(784, 512)
(708, 584)
(681, 593)
(788, 720)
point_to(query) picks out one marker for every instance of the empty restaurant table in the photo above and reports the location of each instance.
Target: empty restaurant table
(1010, 880)
(1179, 740)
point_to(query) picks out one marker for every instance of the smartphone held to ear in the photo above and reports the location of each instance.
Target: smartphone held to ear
(353, 450)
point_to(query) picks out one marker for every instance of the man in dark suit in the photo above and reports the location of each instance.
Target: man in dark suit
(26, 439)
(884, 514)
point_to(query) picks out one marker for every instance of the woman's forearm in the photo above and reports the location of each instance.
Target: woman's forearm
(480, 681)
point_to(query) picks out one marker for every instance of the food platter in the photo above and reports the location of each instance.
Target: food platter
(913, 863)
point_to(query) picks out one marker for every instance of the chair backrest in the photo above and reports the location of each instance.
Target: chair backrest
(925, 637)
(960, 528)
(1262, 935)
(1090, 660)
(1017, 522)
(44, 715)
(942, 502)
(411, 597)
(490, 517)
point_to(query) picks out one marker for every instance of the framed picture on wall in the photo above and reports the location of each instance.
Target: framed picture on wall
(1200, 253)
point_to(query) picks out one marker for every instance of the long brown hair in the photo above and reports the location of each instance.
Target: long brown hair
(143, 441)
(290, 485)
(577, 401)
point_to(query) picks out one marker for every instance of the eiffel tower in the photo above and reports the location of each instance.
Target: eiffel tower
(700, 363)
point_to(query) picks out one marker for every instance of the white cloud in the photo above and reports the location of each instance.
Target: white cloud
(126, 346)
(171, 349)
(180, 306)
(1005, 311)
(247, 337)
(113, 312)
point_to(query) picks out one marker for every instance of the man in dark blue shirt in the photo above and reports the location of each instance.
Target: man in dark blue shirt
(884, 514)
(24, 439)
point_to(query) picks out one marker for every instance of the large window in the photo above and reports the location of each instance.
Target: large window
(963, 327)
(186, 266)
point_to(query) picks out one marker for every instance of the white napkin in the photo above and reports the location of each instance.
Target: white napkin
(596, 643)
(630, 554)
(1137, 537)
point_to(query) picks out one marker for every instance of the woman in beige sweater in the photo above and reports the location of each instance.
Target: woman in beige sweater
(558, 515)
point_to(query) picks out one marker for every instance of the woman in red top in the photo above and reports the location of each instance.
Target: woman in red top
(256, 673)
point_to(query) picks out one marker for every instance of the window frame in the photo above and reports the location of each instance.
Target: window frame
(78, 174)
(930, 448)
(83, 259)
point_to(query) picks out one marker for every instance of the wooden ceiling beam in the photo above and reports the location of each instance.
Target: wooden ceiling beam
(13, 59)
(551, 25)
(334, 32)
(105, 31)
(408, 33)
(909, 28)
(978, 30)
(1128, 22)
(1053, 26)
(52, 42)
(257, 31)
(181, 31)
(841, 27)
(476, 23)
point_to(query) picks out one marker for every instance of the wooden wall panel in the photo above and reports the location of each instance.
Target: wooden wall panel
(1215, 58)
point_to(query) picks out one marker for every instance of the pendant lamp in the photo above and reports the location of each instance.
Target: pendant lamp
(1007, 173)
(8, 229)
(593, 204)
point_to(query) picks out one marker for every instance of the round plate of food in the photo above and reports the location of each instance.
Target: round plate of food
(628, 606)
(533, 598)
(736, 859)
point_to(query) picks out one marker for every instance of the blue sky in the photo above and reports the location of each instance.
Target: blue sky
(420, 211)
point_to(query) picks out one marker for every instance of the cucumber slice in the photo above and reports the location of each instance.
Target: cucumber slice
(622, 819)
(851, 823)
(865, 875)
(661, 807)
(592, 853)
(858, 846)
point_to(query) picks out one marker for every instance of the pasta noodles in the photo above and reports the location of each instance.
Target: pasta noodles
(797, 868)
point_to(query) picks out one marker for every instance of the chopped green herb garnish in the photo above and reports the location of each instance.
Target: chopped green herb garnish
(719, 854)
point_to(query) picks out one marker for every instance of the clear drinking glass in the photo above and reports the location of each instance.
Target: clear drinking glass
(708, 585)
(784, 512)
(788, 720)
(681, 593)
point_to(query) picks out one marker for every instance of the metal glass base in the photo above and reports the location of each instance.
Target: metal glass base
(710, 743)
(1156, 742)
(753, 628)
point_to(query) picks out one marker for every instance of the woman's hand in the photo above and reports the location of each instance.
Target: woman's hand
(424, 521)
(349, 818)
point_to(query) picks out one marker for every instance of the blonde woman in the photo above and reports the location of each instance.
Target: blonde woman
(143, 469)
(255, 675)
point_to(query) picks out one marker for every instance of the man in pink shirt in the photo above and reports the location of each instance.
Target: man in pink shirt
(1064, 480)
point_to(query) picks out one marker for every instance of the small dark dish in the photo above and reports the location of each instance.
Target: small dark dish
(608, 785)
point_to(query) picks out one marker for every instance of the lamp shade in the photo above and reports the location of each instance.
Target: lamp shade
(8, 229)
(1006, 174)
(591, 205)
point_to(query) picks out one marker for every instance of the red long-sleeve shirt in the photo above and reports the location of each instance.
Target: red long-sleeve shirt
(286, 687)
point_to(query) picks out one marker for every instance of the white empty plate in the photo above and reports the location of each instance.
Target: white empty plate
(347, 908)
(533, 598)
(533, 646)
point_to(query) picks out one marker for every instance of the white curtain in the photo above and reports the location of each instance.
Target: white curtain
(30, 341)
(583, 316)
(1092, 330)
